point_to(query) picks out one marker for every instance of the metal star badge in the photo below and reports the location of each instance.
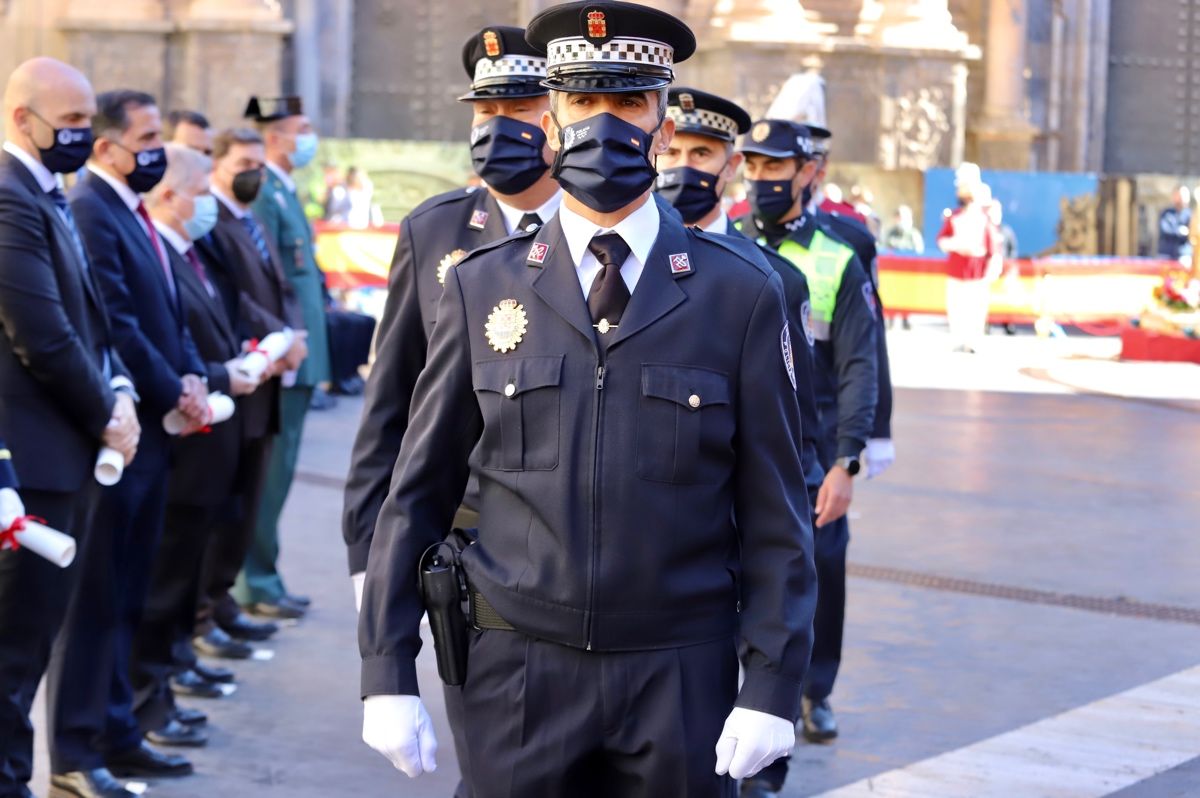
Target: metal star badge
(506, 325)
(449, 262)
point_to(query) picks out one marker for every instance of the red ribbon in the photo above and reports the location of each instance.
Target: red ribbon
(8, 537)
(254, 347)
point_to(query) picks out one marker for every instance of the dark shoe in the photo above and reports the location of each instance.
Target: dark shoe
(299, 601)
(820, 726)
(176, 733)
(322, 400)
(189, 683)
(756, 788)
(283, 610)
(216, 643)
(145, 762)
(214, 673)
(188, 716)
(243, 627)
(97, 783)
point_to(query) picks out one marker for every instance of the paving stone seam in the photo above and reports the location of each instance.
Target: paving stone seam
(1128, 608)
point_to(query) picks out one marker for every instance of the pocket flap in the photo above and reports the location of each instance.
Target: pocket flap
(691, 387)
(513, 376)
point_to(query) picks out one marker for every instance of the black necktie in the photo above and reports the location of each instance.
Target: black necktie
(64, 210)
(609, 294)
(530, 221)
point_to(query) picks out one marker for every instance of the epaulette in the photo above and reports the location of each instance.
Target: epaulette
(744, 248)
(499, 242)
(438, 200)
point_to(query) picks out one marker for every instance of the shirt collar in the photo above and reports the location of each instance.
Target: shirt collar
(283, 176)
(237, 211)
(639, 230)
(44, 177)
(126, 194)
(720, 225)
(512, 216)
(181, 244)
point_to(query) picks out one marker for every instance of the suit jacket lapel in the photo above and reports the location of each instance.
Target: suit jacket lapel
(65, 234)
(134, 229)
(186, 278)
(493, 224)
(557, 281)
(656, 293)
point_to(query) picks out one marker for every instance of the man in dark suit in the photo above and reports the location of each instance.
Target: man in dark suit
(260, 301)
(64, 391)
(204, 468)
(627, 388)
(92, 695)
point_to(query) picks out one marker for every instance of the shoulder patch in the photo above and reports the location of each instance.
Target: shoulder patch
(869, 296)
(806, 323)
(789, 357)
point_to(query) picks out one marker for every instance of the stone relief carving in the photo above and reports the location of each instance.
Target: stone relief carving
(914, 126)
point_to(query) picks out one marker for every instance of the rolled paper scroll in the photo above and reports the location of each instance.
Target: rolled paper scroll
(265, 352)
(220, 408)
(26, 532)
(110, 464)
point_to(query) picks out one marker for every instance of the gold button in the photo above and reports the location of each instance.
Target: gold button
(510, 390)
(694, 400)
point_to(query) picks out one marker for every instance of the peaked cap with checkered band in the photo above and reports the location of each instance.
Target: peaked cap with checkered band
(502, 65)
(705, 114)
(609, 46)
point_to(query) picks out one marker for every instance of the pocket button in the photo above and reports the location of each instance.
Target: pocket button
(510, 390)
(694, 401)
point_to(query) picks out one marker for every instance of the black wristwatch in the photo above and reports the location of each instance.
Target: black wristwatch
(851, 464)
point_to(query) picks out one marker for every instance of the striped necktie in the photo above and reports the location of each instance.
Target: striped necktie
(256, 236)
(64, 210)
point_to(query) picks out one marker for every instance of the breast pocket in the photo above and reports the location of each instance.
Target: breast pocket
(685, 425)
(519, 399)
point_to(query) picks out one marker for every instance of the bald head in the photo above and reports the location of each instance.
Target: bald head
(43, 94)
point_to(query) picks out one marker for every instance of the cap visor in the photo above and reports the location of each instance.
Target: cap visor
(605, 84)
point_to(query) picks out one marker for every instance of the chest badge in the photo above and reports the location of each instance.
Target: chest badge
(451, 260)
(478, 219)
(506, 325)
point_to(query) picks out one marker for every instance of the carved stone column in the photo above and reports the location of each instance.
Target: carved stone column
(118, 43)
(223, 51)
(1004, 135)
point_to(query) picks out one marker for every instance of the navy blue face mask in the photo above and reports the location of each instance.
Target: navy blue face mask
(70, 149)
(604, 162)
(149, 166)
(692, 192)
(507, 154)
(770, 200)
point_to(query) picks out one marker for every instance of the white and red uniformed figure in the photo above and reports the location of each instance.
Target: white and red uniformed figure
(972, 247)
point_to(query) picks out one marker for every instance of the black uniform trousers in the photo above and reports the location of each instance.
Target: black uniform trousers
(34, 594)
(170, 615)
(350, 337)
(550, 720)
(232, 536)
(90, 695)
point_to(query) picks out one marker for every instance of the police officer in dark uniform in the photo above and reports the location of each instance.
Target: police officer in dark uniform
(693, 173)
(628, 389)
(881, 451)
(779, 170)
(509, 152)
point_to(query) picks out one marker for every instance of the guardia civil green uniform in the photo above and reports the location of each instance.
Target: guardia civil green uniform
(279, 210)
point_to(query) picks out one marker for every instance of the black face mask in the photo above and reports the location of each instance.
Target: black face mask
(692, 192)
(149, 168)
(246, 185)
(770, 199)
(507, 154)
(69, 151)
(604, 162)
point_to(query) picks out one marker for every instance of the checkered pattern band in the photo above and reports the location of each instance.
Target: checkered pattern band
(570, 52)
(528, 67)
(701, 118)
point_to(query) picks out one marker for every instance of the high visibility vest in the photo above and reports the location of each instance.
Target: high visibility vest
(823, 263)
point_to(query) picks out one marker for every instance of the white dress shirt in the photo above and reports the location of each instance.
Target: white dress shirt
(44, 177)
(639, 230)
(512, 216)
(237, 211)
(284, 176)
(721, 225)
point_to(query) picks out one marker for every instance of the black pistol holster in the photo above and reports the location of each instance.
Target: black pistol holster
(444, 589)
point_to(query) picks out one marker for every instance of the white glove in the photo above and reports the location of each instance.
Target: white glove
(751, 740)
(880, 454)
(11, 507)
(398, 727)
(359, 580)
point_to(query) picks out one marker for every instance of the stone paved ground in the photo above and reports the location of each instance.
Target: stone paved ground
(1043, 467)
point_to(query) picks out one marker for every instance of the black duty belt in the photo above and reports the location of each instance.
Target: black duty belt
(484, 615)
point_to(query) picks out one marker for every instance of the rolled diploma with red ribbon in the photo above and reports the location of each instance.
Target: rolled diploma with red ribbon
(220, 408)
(26, 532)
(265, 352)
